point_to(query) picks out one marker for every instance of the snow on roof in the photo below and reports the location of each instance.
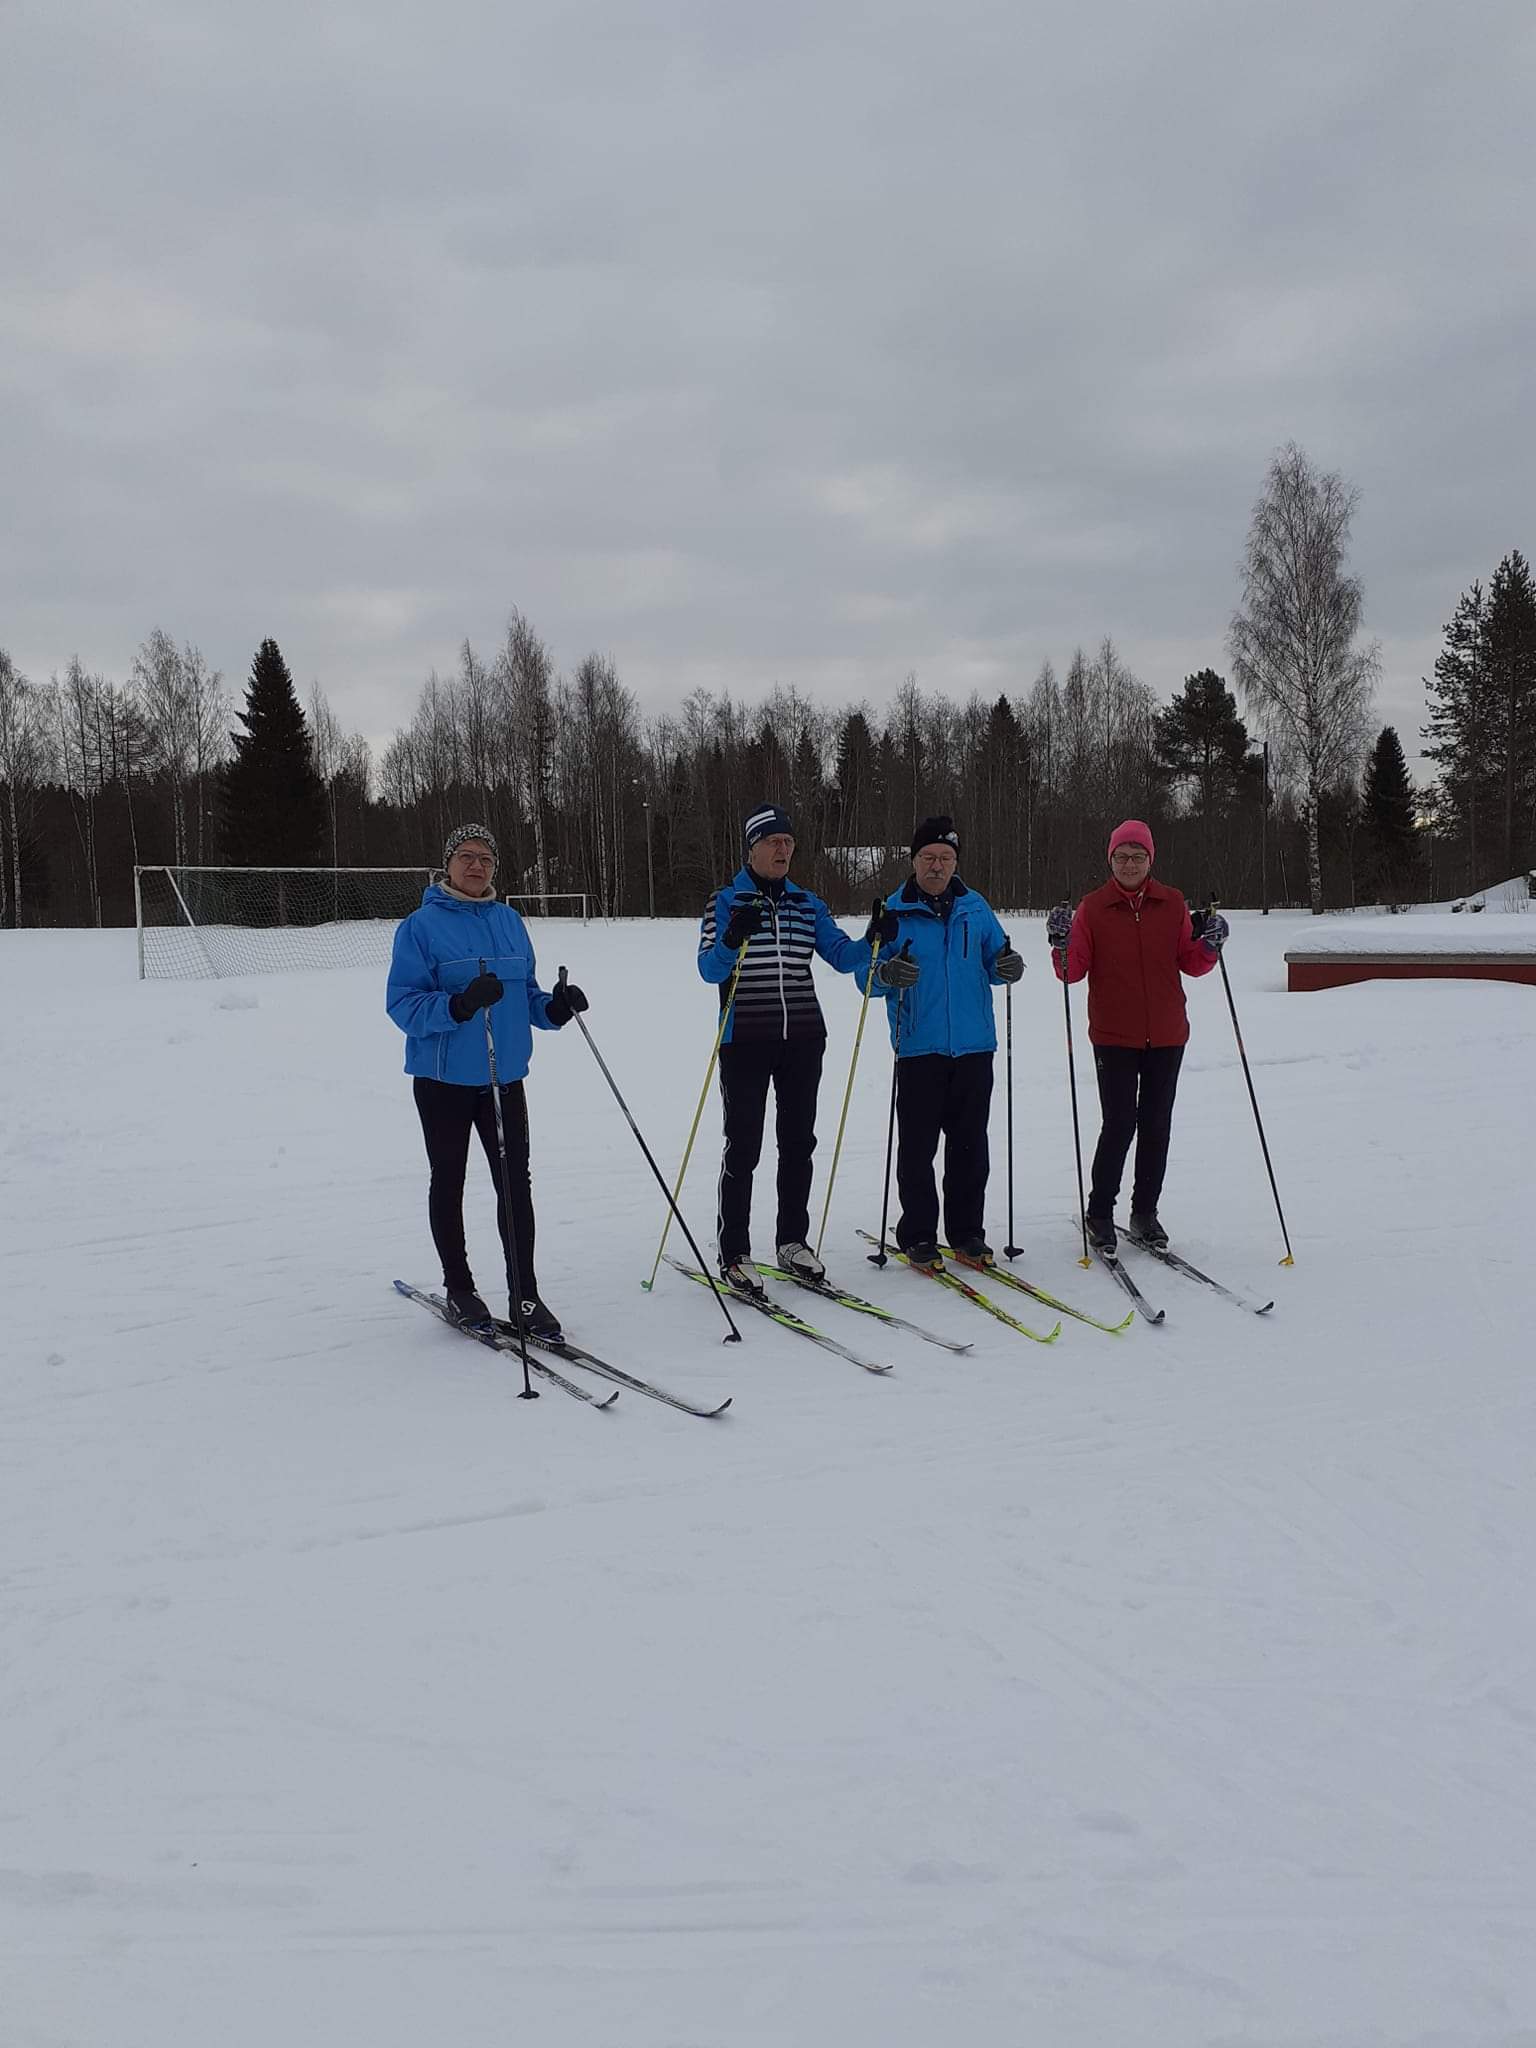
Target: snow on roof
(1418, 934)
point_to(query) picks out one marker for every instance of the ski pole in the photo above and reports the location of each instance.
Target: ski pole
(879, 1258)
(514, 1271)
(735, 1336)
(1077, 1136)
(1290, 1257)
(858, 1040)
(1010, 1249)
(709, 1075)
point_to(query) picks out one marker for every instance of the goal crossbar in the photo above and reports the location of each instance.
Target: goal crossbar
(208, 922)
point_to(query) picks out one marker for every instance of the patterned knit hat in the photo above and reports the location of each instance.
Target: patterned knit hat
(460, 833)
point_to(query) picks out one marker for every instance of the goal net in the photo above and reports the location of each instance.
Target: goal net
(206, 923)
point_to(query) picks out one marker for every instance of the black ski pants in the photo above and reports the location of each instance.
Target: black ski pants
(1136, 1090)
(793, 1065)
(449, 1112)
(950, 1096)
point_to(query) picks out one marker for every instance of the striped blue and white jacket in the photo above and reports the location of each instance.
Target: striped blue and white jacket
(775, 995)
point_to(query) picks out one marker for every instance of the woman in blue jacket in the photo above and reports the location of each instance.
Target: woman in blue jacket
(462, 952)
(942, 951)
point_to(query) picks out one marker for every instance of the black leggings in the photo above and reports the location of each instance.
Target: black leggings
(448, 1113)
(1136, 1091)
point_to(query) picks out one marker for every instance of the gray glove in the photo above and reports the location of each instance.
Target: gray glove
(900, 971)
(1058, 926)
(1009, 966)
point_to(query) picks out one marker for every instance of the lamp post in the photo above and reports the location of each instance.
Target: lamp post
(650, 867)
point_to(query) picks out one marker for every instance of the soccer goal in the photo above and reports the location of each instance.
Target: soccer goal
(202, 923)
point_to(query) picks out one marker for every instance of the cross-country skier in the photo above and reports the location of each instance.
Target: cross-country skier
(464, 951)
(774, 1032)
(942, 951)
(1133, 939)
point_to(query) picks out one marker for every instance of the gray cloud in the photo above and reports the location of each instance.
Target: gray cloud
(811, 343)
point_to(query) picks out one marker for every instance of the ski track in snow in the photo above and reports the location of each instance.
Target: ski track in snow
(1176, 1688)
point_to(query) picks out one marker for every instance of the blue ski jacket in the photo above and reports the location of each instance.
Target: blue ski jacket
(954, 943)
(438, 951)
(775, 995)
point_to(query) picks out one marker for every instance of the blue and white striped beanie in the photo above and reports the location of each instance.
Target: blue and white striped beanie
(764, 823)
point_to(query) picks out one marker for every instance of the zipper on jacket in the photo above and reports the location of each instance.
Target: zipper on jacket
(778, 954)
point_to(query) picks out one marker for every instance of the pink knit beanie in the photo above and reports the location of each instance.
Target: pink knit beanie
(1132, 833)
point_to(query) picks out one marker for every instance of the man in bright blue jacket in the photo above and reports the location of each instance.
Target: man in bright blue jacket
(462, 952)
(756, 942)
(942, 951)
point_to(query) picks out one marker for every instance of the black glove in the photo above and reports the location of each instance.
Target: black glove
(566, 1002)
(484, 990)
(882, 927)
(1213, 931)
(1009, 966)
(1058, 926)
(1197, 922)
(899, 971)
(746, 918)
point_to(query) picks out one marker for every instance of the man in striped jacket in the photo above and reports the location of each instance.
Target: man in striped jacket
(756, 942)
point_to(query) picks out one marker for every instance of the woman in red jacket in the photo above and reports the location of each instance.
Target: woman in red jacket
(1132, 940)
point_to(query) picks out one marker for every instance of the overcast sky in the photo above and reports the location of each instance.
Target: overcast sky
(766, 340)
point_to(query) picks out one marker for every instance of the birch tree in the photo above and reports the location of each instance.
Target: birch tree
(1296, 654)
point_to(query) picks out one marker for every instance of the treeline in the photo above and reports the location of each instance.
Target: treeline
(586, 793)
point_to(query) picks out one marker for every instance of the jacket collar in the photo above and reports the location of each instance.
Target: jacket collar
(443, 891)
(910, 896)
(1151, 891)
(747, 883)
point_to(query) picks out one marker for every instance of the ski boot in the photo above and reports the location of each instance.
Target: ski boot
(800, 1260)
(1101, 1235)
(1144, 1229)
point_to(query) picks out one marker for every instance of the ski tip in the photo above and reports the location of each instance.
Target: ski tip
(402, 1286)
(1156, 1317)
(1264, 1311)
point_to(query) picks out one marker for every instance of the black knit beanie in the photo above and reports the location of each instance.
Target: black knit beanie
(936, 832)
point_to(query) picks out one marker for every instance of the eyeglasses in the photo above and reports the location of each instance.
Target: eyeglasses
(476, 860)
(1133, 855)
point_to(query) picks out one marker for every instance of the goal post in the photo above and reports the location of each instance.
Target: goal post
(207, 923)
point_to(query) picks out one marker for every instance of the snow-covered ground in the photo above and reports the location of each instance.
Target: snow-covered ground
(1176, 1688)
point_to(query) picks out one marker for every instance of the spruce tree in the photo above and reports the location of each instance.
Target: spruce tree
(274, 801)
(1460, 718)
(1200, 742)
(1510, 648)
(1389, 818)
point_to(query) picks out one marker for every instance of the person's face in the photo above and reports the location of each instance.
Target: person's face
(771, 856)
(472, 868)
(1130, 866)
(934, 867)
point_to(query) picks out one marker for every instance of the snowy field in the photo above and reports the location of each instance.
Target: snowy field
(1174, 1690)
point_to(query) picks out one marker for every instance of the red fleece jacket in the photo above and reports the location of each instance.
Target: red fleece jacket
(1132, 948)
